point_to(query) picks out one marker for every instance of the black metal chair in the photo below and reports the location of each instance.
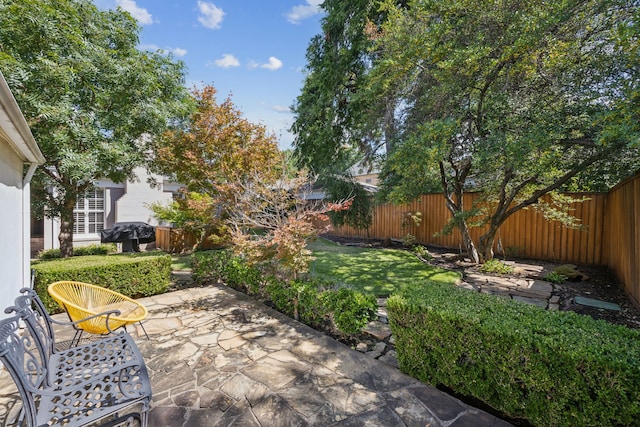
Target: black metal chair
(101, 381)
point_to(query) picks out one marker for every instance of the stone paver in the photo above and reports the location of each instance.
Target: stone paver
(530, 291)
(252, 366)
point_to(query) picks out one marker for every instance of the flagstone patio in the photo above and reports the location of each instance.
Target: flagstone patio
(219, 358)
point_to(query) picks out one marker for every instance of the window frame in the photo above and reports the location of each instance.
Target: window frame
(90, 207)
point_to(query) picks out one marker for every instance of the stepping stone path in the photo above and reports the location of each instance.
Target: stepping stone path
(380, 343)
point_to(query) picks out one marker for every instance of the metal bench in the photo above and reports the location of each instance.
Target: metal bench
(102, 381)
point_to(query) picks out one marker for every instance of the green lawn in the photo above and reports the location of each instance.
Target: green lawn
(181, 262)
(376, 271)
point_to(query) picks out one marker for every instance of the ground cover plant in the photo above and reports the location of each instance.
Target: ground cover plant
(380, 272)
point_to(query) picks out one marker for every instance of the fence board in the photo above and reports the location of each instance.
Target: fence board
(623, 234)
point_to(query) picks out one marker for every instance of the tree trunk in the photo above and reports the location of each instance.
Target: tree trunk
(66, 237)
(486, 243)
(455, 205)
(66, 225)
(472, 252)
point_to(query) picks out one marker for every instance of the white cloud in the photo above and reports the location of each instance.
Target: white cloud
(303, 11)
(210, 15)
(150, 47)
(281, 109)
(273, 64)
(139, 13)
(176, 51)
(227, 61)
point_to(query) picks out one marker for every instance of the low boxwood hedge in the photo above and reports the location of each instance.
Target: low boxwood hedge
(133, 275)
(552, 368)
(312, 301)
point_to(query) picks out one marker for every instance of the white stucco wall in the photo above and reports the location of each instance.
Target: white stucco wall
(125, 202)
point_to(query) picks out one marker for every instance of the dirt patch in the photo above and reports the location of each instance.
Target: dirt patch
(598, 282)
(602, 285)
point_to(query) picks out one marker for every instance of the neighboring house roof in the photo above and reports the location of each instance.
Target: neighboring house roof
(14, 129)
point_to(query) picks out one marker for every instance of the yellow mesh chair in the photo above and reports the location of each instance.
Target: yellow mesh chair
(82, 300)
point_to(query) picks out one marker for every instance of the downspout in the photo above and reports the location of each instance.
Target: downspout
(27, 178)
(26, 212)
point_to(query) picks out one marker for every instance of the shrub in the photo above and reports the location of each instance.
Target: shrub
(351, 310)
(570, 271)
(104, 249)
(133, 275)
(552, 368)
(555, 277)
(242, 276)
(210, 265)
(409, 240)
(494, 265)
(422, 252)
(312, 301)
(298, 299)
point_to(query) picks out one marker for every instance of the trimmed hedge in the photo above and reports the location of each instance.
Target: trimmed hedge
(95, 249)
(133, 275)
(552, 368)
(312, 301)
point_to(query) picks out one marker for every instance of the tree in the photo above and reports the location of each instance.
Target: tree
(216, 153)
(513, 99)
(239, 184)
(88, 94)
(274, 221)
(359, 214)
(334, 125)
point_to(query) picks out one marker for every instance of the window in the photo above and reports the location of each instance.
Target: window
(88, 214)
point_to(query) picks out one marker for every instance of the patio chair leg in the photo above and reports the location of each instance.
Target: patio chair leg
(76, 338)
(144, 330)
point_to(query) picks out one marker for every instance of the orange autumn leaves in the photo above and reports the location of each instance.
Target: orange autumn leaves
(218, 148)
(237, 181)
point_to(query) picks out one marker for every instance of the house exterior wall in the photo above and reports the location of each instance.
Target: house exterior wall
(12, 226)
(123, 202)
(369, 179)
(19, 158)
(138, 195)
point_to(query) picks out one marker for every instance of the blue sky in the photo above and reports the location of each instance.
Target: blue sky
(251, 49)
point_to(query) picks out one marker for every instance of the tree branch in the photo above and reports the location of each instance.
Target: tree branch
(533, 199)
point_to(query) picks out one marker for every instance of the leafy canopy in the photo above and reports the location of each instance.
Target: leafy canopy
(513, 99)
(239, 186)
(88, 93)
(213, 155)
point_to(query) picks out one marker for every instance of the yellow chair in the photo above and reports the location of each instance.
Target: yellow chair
(82, 300)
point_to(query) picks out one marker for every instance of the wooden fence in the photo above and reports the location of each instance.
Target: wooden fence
(525, 234)
(168, 239)
(621, 241)
(609, 234)
(175, 240)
